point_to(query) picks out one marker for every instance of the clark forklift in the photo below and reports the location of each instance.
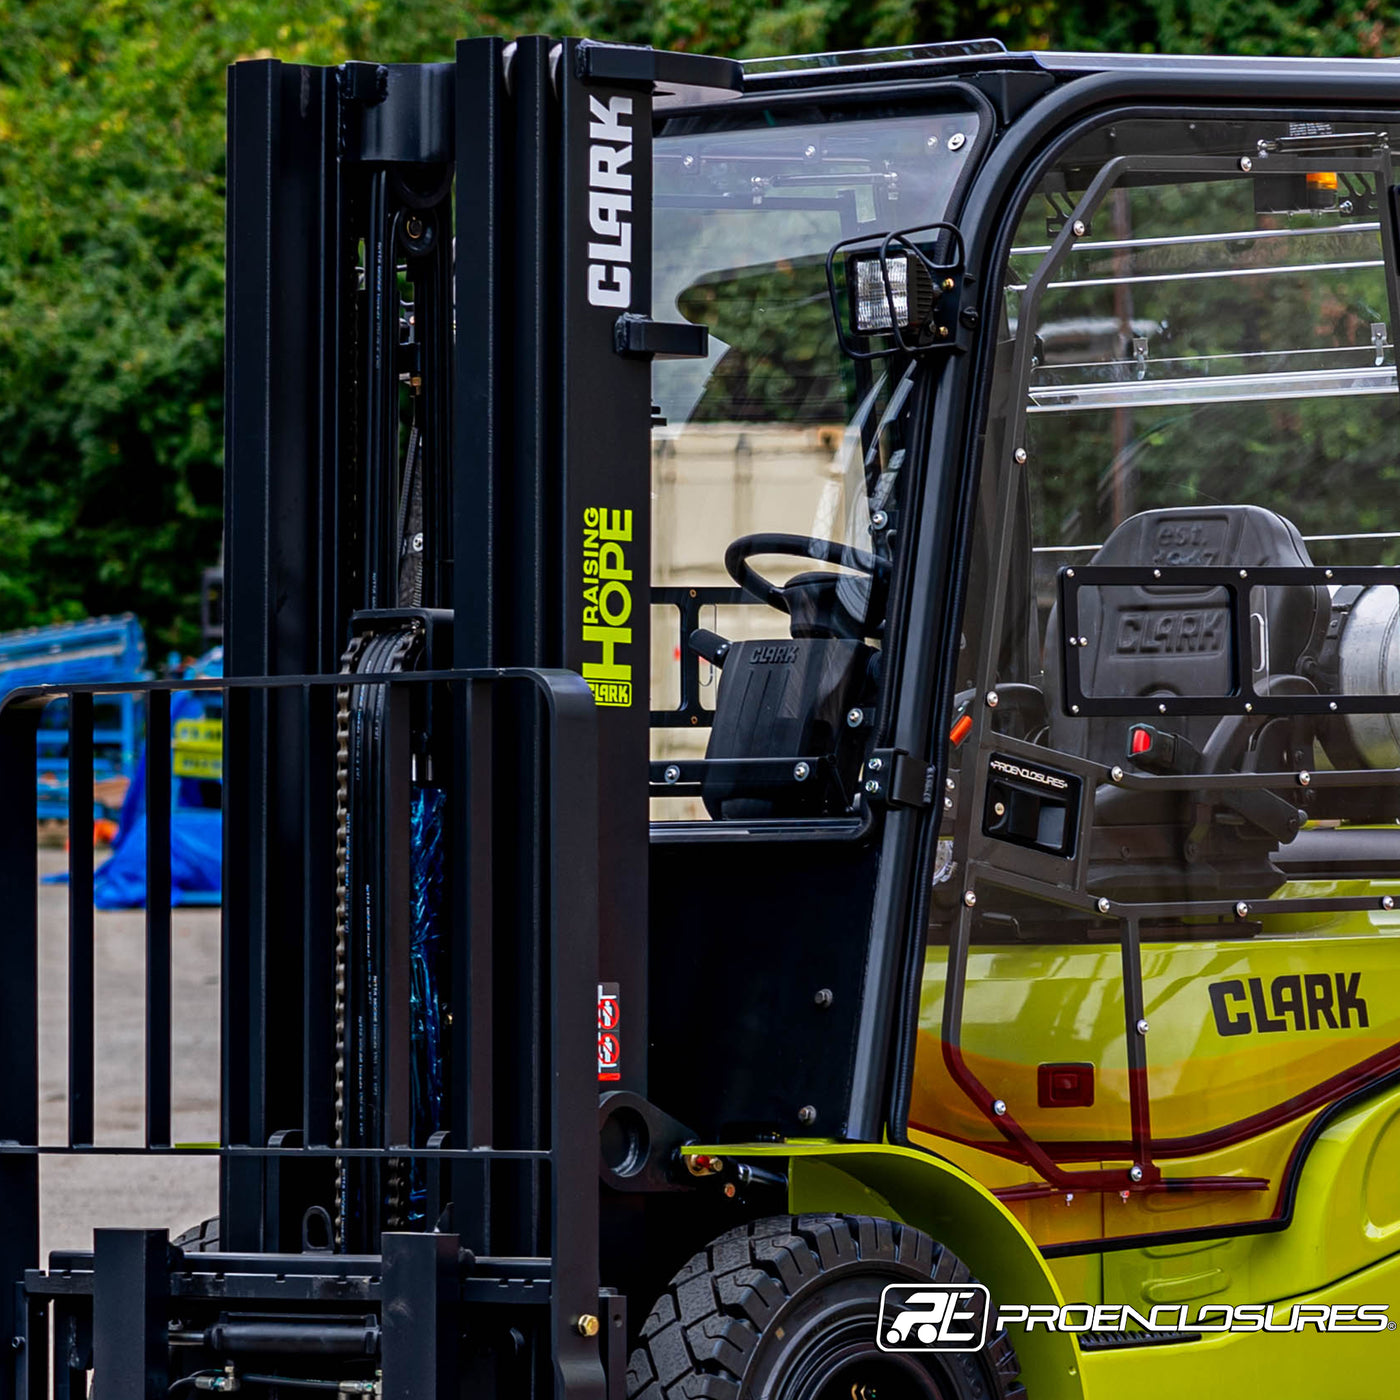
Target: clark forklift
(813, 745)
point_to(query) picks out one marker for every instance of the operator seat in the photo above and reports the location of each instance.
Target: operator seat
(1153, 641)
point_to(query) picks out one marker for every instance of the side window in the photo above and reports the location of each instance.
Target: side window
(1175, 764)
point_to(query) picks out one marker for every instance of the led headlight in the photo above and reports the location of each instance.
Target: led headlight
(910, 289)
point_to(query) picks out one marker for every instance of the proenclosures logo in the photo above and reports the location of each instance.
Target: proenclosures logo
(958, 1317)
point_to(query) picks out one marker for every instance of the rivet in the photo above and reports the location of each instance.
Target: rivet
(1142, 1027)
(1074, 641)
(587, 1325)
(1304, 778)
(998, 807)
(1246, 164)
(807, 1114)
(993, 700)
(730, 1190)
(1327, 573)
(824, 998)
(957, 141)
(1244, 573)
(1161, 709)
(1387, 902)
(947, 804)
(1156, 573)
(1084, 641)
(1248, 708)
(876, 764)
(948, 284)
(1332, 705)
(672, 773)
(801, 772)
(999, 1107)
(1135, 1172)
(878, 520)
(1103, 905)
(1241, 910)
(950, 785)
(872, 786)
(1069, 573)
(1021, 456)
(1074, 709)
(1078, 228)
(1116, 773)
(1069, 1198)
(855, 717)
(969, 898)
(688, 162)
(943, 332)
(809, 152)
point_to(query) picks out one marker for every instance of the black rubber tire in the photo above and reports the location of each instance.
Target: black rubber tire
(787, 1308)
(200, 1239)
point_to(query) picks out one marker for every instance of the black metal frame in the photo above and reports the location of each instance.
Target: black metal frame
(133, 1274)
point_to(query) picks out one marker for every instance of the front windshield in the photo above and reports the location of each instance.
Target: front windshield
(777, 460)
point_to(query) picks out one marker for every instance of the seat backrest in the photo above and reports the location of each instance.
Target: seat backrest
(1153, 641)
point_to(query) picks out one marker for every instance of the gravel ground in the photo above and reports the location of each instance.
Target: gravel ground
(80, 1193)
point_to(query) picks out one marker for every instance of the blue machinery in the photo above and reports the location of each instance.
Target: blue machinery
(98, 649)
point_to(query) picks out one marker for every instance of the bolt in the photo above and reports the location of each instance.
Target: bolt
(1244, 573)
(587, 1325)
(998, 807)
(1161, 709)
(1069, 573)
(672, 773)
(855, 717)
(1248, 708)
(417, 543)
(950, 785)
(1246, 164)
(824, 998)
(1084, 641)
(413, 226)
(943, 332)
(730, 1190)
(1069, 1198)
(969, 898)
(878, 520)
(1241, 910)
(993, 700)
(1079, 229)
(1021, 456)
(1135, 1172)
(16, 1343)
(801, 771)
(948, 284)
(1156, 573)
(1327, 573)
(932, 143)
(957, 141)
(809, 151)
(968, 316)
(1103, 905)
(688, 162)
(872, 786)
(1387, 902)
(1142, 1027)
(1346, 207)
(807, 1115)
(1074, 709)
(1304, 778)
(1332, 705)
(947, 804)
(876, 764)
(999, 1107)
(1116, 773)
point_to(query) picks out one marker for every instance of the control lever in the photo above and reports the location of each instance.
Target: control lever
(710, 645)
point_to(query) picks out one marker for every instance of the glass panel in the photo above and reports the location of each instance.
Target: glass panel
(1169, 864)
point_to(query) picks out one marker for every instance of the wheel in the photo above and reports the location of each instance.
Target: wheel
(200, 1239)
(788, 1308)
(736, 561)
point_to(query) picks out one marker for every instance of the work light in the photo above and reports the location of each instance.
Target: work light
(910, 291)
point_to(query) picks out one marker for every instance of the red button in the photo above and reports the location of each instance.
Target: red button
(1142, 741)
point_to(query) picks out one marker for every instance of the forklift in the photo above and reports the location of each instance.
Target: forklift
(811, 745)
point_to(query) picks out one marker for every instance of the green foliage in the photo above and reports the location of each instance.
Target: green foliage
(111, 227)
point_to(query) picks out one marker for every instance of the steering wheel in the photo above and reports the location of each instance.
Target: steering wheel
(736, 561)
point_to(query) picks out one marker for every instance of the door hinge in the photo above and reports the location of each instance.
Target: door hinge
(898, 779)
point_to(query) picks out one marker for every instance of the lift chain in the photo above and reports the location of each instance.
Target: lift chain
(351, 660)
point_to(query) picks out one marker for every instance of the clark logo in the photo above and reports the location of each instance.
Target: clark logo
(610, 202)
(933, 1317)
(1308, 1002)
(607, 605)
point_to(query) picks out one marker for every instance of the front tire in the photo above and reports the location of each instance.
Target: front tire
(788, 1309)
